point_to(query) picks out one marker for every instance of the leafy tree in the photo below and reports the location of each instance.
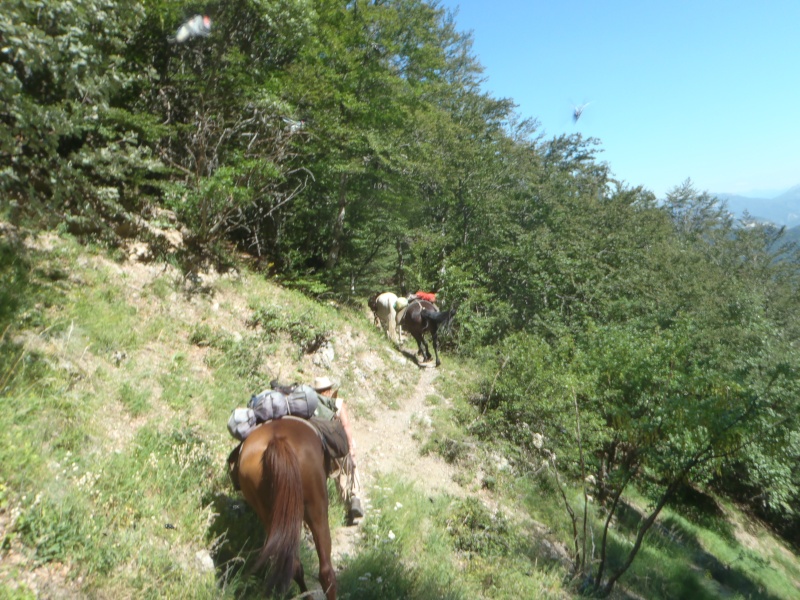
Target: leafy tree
(375, 87)
(679, 408)
(695, 213)
(66, 152)
(672, 341)
(229, 140)
(353, 102)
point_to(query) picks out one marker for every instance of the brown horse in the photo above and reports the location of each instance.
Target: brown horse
(421, 317)
(282, 473)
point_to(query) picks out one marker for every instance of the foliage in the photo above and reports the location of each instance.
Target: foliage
(67, 152)
(475, 530)
(349, 148)
(308, 329)
(671, 394)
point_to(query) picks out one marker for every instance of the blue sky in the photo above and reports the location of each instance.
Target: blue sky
(707, 90)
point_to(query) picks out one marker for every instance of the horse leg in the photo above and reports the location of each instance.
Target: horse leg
(420, 346)
(318, 523)
(435, 345)
(299, 575)
(386, 322)
(393, 325)
(427, 348)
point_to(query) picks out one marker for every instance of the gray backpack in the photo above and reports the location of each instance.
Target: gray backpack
(241, 423)
(272, 404)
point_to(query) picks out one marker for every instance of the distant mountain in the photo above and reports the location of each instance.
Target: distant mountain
(792, 235)
(781, 210)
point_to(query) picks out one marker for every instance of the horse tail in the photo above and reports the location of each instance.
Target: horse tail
(285, 488)
(436, 316)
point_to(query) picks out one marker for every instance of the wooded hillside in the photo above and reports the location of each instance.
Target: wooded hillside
(348, 148)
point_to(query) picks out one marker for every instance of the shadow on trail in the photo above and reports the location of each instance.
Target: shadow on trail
(375, 573)
(415, 359)
(704, 511)
(235, 536)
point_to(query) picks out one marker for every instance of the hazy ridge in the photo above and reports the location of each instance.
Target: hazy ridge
(783, 209)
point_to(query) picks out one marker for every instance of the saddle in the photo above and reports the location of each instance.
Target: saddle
(408, 303)
(296, 402)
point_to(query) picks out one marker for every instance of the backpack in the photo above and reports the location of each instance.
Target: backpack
(429, 296)
(272, 404)
(241, 423)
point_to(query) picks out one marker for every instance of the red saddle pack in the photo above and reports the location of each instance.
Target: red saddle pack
(429, 296)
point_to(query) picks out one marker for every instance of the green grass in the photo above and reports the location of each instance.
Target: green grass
(128, 510)
(418, 546)
(432, 400)
(679, 559)
(134, 398)
(72, 501)
(764, 572)
(306, 325)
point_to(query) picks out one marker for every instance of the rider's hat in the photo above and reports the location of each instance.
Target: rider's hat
(322, 383)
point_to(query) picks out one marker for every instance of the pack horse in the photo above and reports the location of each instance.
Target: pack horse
(282, 473)
(421, 317)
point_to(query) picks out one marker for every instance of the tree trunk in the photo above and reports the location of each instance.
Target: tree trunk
(399, 276)
(606, 589)
(338, 225)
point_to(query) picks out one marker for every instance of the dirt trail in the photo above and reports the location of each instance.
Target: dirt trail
(386, 445)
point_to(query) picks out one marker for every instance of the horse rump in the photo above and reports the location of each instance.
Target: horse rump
(281, 472)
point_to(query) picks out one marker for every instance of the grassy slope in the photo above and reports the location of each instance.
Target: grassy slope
(116, 381)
